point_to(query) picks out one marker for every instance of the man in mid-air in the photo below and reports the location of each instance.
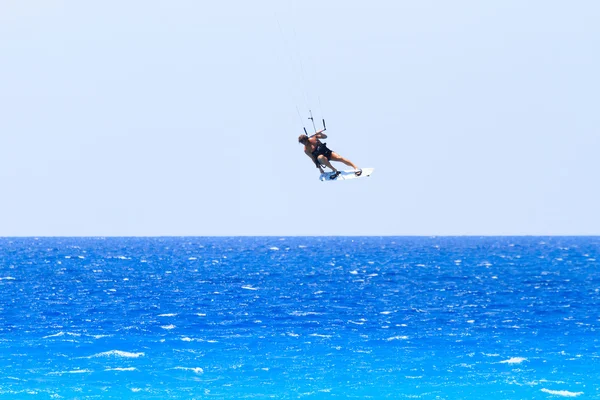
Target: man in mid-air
(321, 155)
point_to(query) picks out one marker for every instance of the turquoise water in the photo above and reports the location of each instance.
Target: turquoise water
(300, 317)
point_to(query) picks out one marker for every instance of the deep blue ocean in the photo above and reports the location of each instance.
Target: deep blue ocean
(300, 317)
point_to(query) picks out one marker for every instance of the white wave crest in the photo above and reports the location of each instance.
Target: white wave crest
(563, 393)
(196, 370)
(356, 323)
(59, 334)
(100, 336)
(514, 360)
(303, 313)
(117, 353)
(120, 369)
(397, 338)
(77, 371)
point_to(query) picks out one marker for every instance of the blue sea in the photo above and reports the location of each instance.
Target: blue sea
(300, 318)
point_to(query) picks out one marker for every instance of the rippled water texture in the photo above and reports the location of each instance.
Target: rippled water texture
(300, 317)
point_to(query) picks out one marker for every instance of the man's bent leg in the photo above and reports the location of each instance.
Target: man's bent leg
(324, 161)
(337, 157)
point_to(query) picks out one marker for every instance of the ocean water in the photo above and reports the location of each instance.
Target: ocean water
(300, 317)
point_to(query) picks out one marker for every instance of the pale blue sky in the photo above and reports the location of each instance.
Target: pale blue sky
(179, 117)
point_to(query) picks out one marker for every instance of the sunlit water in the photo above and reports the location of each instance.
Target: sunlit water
(300, 317)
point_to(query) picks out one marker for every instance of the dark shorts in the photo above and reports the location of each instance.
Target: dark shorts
(322, 150)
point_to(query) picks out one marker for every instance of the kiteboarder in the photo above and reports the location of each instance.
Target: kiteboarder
(321, 155)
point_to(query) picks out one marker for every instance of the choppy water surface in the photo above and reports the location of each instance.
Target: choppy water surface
(300, 317)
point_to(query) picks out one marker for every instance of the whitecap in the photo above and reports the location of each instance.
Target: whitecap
(303, 313)
(196, 370)
(59, 334)
(397, 338)
(168, 327)
(55, 335)
(563, 393)
(319, 335)
(117, 353)
(514, 360)
(77, 371)
(100, 336)
(121, 369)
(274, 248)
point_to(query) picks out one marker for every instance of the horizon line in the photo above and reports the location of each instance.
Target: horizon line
(293, 236)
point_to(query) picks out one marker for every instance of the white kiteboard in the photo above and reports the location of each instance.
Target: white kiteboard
(345, 175)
